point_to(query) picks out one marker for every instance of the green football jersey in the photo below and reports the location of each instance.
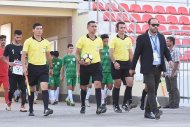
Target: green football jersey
(69, 62)
(105, 59)
(57, 64)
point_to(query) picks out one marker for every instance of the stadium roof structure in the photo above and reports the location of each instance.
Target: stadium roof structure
(70, 1)
(67, 4)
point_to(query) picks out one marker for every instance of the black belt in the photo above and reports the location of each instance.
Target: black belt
(157, 66)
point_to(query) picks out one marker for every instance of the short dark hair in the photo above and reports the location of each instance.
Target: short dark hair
(104, 36)
(18, 32)
(171, 39)
(149, 21)
(56, 53)
(3, 36)
(90, 22)
(69, 45)
(52, 53)
(117, 25)
(35, 25)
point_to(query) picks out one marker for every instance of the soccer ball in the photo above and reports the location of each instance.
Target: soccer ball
(87, 58)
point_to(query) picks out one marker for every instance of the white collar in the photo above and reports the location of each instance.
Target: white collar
(152, 35)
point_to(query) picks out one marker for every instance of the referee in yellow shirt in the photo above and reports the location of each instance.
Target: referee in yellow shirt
(90, 44)
(121, 55)
(37, 49)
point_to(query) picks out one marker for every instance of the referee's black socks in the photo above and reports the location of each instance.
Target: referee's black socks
(45, 97)
(31, 102)
(98, 96)
(115, 95)
(127, 95)
(83, 97)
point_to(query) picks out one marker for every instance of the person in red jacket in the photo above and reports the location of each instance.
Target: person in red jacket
(4, 80)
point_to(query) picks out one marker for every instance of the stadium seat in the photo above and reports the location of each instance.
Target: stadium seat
(138, 28)
(187, 52)
(145, 28)
(97, 5)
(182, 11)
(111, 7)
(137, 17)
(146, 17)
(177, 42)
(184, 58)
(123, 5)
(122, 16)
(173, 28)
(159, 9)
(186, 42)
(147, 9)
(184, 20)
(107, 16)
(162, 28)
(171, 10)
(161, 19)
(135, 8)
(185, 28)
(171, 19)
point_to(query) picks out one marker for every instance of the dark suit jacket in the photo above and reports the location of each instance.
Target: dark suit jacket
(144, 50)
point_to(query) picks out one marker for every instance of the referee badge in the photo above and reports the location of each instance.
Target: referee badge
(13, 51)
(127, 46)
(44, 50)
(97, 48)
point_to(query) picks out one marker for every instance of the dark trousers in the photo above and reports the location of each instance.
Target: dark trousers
(152, 81)
(174, 95)
(17, 81)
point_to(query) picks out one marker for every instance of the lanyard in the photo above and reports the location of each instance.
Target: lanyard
(155, 43)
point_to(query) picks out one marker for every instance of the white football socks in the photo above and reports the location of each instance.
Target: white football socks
(70, 94)
(88, 93)
(103, 96)
(57, 94)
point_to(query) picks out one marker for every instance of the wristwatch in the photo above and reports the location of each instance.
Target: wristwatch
(51, 68)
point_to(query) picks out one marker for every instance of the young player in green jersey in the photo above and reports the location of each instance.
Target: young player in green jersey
(54, 81)
(106, 70)
(69, 69)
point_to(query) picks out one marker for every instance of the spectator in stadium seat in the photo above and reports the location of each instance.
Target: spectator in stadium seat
(152, 49)
(171, 75)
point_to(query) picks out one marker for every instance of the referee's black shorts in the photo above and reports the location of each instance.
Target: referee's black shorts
(94, 70)
(37, 73)
(122, 72)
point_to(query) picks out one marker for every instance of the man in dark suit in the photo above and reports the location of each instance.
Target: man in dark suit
(151, 47)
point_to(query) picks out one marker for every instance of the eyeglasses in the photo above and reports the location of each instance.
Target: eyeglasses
(155, 25)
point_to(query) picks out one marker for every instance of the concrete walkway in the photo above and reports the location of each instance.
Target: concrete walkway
(65, 116)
